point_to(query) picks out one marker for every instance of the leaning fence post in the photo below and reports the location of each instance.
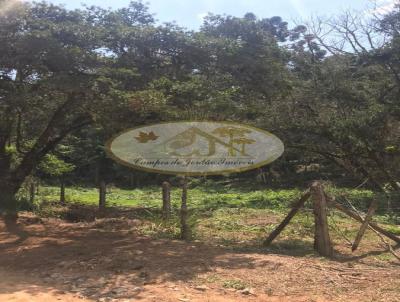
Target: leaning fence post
(295, 208)
(364, 225)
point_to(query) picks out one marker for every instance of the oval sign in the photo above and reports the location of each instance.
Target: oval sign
(195, 148)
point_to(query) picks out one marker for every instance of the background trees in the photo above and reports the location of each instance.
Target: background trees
(80, 76)
(349, 99)
(53, 76)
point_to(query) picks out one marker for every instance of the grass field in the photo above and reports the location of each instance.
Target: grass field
(220, 214)
(201, 197)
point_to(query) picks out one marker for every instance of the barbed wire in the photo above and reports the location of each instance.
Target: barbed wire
(335, 227)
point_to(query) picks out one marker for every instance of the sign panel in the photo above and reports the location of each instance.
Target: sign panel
(195, 148)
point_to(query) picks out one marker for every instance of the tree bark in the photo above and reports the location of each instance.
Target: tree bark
(8, 203)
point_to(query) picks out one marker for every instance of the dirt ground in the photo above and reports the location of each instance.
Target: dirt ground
(107, 260)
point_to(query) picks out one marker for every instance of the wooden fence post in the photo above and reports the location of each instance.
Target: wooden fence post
(364, 225)
(295, 208)
(166, 197)
(357, 217)
(185, 231)
(322, 241)
(102, 195)
(62, 191)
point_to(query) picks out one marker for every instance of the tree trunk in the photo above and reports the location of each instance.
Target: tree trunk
(37, 187)
(97, 174)
(166, 196)
(62, 191)
(8, 204)
(11, 179)
(102, 195)
(131, 180)
(185, 231)
(32, 191)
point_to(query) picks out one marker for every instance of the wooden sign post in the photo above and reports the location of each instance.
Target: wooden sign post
(166, 197)
(185, 230)
(196, 148)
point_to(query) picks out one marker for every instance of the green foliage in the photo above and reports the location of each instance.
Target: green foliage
(54, 166)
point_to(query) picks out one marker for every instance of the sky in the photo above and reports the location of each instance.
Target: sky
(189, 13)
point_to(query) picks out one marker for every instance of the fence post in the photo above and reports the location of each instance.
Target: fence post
(166, 197)
(322, 241)
(185, 231)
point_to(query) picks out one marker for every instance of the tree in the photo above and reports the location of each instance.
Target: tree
(344, 105)
(53, 82)
(56, 167)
